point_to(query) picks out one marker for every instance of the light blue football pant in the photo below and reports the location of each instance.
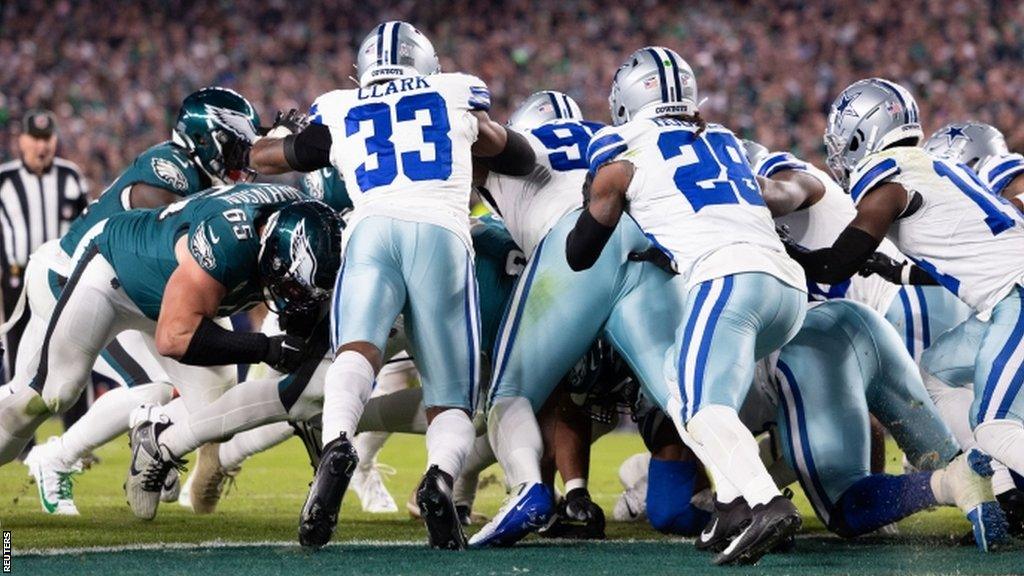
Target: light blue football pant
(921, 314)
(556, 314)
(728, 324)
(989, 354)
(425, 272)
(846, 361)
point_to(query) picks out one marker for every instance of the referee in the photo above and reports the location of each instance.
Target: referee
(40, 194)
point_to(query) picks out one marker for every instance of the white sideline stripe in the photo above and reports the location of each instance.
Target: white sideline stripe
(282, 544)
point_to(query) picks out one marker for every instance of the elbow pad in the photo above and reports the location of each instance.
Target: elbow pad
(516, 159)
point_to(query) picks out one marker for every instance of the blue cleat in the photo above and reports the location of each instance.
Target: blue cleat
(527, 510)
(989, 525)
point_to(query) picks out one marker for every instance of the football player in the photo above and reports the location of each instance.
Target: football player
(982, 148)
(404, 141)
(958, 234)
(688, 186)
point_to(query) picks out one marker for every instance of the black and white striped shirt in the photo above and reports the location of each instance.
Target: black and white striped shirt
(36, 208)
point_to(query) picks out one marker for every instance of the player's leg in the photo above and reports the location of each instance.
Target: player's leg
(921, 314)
(729, 323)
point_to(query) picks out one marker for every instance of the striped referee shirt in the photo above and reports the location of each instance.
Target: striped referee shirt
(36, 208)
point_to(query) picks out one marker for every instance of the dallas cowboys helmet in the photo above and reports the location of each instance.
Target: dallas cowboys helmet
(654, 81)
(541, 107)
(395, 50)
(869, 116)
(754, 151)
(300, 252)
(217, 127)
(970, 143)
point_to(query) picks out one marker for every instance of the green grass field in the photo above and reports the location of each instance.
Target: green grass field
(255, 527)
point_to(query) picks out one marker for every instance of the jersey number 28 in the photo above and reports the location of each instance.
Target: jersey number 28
(709, 173)
(379, 146)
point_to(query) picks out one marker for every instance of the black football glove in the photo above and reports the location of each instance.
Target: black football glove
(290, 122)
(884, 266)
(577, 517)
(655, 256)
(285, 353)
(302, 320)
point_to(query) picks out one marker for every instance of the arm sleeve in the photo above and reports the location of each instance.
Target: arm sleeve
(310, 149)
(585, 242)
(516, 159)
(838, 262)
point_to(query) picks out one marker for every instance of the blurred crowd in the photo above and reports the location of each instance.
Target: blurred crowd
(115, 71)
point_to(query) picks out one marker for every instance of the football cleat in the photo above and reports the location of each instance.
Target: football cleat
(527, 510)
(434, 498)
(209, 479)
(727, 520)
(149, 465)
(633, 470)
(1012, 503)
(577, 517)
(54, 479)
(320, 512)
(172, 486)
(368, 484)
(965, 480)
(771, 525)
(630, 506)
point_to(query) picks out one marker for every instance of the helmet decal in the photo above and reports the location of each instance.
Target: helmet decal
(303, 259)
(235, 122)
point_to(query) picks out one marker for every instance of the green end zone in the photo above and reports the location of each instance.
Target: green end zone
(254, 530)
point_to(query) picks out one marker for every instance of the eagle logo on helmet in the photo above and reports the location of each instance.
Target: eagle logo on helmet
(170, 173)
(304, 263)
(235, 122)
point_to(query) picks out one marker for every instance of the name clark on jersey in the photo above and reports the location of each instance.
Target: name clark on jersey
(393, 87)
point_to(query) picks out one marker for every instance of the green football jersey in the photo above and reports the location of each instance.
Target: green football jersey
(327, 186)
(499, 261)
(222, 226)
(163, 166)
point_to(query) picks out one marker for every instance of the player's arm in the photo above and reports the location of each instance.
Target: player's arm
(790, 190)
(304, 151)
(596, 223)
(502, 150)
(875, 214)
(185, 329)
(144, 195)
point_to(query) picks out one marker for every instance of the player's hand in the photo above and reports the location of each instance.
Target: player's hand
(285, 353)
(655, 256)
(577, 517)
(300, 320)
(884, 266)
(285, 123)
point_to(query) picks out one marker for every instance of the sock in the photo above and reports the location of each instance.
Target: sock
(176, 410)
(724, 491)
(954, 406)
(245, 444)
(575, 483)
(400, 411)
(480, 457)
(732, 453)
(243, 407)
(516, 440)
(1002, 478)
(1004, 441)
(879, 500)
(449, 439)
(367, 445)
(347, 387)
(21, 413)
(669, 491)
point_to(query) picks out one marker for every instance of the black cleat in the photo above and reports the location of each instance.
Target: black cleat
(771, 524)
(320, 512)
(434, 497)
(1012, 503)
(577, 517)
(465, 514)
(726, 522)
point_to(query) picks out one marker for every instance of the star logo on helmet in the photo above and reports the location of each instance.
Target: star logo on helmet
(952, 133)
(843, 107)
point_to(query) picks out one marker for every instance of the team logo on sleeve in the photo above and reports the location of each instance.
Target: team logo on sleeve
(170, 173)
(202, 248)
(314, 184)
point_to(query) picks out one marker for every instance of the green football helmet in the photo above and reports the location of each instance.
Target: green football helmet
(218, 127)
(300, 252)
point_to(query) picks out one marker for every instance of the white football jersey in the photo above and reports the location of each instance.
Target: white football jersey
(819, 225)
(696, 197)
(403, 147)
(967, 238)
(531, 205)
(998, 171)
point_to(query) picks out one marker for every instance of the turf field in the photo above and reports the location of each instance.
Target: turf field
(254, 530)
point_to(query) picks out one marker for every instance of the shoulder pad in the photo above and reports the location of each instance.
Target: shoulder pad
(871, 172)
(604, 147)
(776, 162)
(997, 172)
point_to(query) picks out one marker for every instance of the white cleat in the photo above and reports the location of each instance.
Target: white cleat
(172, 487)
(633, 470)
(368, 484)
(631, 505)
(54, 479)
(150, 462)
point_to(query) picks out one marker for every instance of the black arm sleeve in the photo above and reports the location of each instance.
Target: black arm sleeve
(310, 149)
(920, 277)
(586, 241)
(212, 345)
(837, 263)
(517, 159)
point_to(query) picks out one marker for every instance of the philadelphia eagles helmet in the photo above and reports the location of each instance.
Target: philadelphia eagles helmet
(300, 252)
(217, 127)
